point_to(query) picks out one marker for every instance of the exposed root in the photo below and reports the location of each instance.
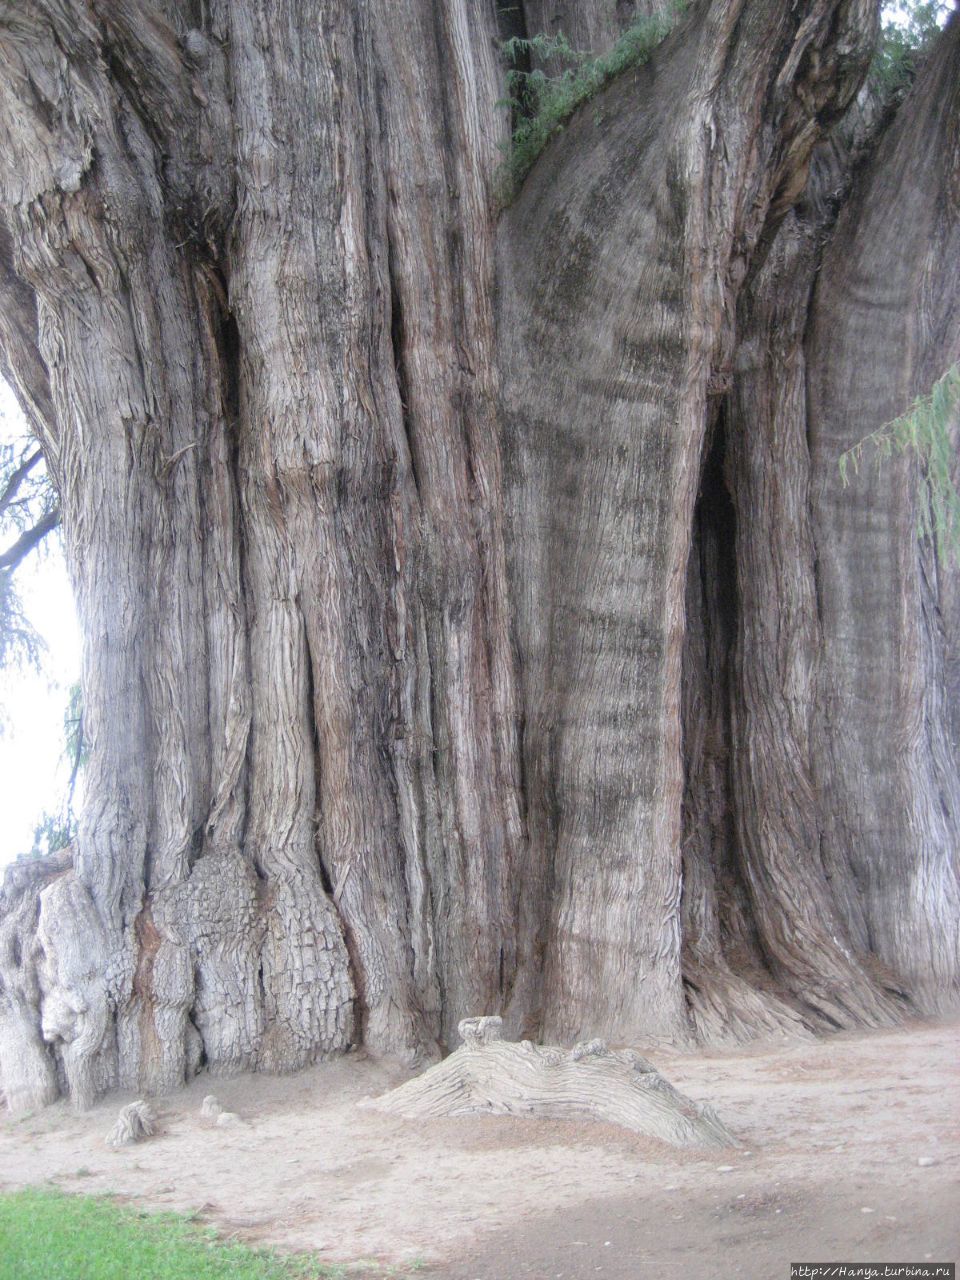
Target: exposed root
(488, 1075)
(28, 1073)
(726, 1009)
(135, 1122)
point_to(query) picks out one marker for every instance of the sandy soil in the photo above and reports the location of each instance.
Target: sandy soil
(828, 1171)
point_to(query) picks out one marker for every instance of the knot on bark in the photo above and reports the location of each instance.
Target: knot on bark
(476, 1032)
(589, 1049)
(720, 382)
(638, 1061)
(197, 47)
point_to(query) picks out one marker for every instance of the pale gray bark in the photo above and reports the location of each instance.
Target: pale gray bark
(806, 598)
(28, 1072)
(890, 768)
(488, 1075)
(610, 373)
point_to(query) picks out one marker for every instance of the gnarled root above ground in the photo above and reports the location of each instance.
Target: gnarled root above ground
(490, 1075)
(135, 1122)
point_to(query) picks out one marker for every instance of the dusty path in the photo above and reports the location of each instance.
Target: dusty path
(832, 1129)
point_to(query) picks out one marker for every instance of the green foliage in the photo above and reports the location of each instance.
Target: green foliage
(926, 430)
(908, 30)
(75, 747)
(46, 1235)
(54, 831)
(541, 104)
(20, 646)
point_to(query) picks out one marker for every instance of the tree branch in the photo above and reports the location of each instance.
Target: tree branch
(29, 539)
(17, 479)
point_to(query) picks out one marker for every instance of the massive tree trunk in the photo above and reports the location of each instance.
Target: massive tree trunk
(473, 618)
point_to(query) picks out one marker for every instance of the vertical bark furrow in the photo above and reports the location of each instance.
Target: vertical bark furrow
(440, 128)
(731, 995)
(777, 656)
(92, 245)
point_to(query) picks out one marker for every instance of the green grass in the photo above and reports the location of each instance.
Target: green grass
(47, 1235)
(542, 104)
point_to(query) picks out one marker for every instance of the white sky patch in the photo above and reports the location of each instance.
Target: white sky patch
(33, 773)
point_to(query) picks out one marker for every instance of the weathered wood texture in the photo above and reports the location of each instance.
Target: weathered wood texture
(837, 691)
(418, 678)
(490, 1076)
(888, 766)
(622, 260)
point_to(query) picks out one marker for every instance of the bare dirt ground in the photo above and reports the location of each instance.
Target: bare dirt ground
(831, 1132)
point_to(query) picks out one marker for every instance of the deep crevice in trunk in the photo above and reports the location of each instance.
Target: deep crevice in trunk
(397, 347)
(731, 995)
